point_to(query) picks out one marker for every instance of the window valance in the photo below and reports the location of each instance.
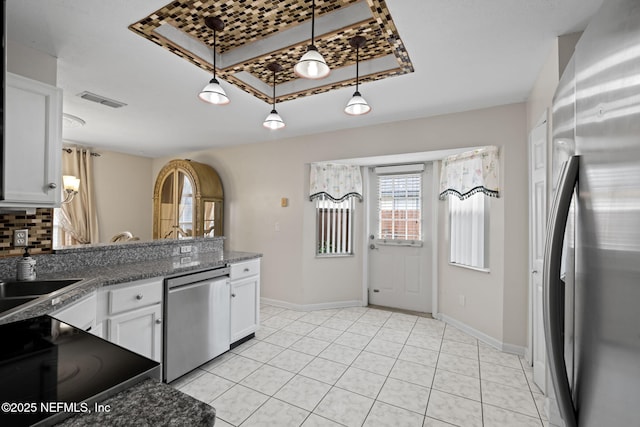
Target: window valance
(334, 181)
(471, 172)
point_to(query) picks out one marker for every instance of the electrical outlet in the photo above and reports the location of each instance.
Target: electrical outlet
(185, 249)
(21, 238)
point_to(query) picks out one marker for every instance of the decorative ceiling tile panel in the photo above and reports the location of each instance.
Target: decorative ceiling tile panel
(248, 22)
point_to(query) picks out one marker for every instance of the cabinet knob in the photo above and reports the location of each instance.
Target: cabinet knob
(158, 321)
(233, 295)
(139, 297)
(53, 185)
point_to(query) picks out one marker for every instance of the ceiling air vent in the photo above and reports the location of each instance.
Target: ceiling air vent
(101, 100)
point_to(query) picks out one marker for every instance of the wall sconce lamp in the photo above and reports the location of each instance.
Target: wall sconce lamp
(71, 184)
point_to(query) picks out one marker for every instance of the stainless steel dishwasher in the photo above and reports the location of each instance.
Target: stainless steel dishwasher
(196, 314)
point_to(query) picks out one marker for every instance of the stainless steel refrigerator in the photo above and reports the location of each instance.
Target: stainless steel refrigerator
(592, 254)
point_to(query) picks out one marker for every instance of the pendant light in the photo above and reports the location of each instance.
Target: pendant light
(213, 92)
(357, 106)
(312, 65)
(273, 120)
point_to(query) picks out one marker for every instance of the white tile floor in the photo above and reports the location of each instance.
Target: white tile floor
(365, 367)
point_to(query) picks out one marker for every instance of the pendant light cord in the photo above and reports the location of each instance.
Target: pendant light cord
(357, 66)
(313, 21)
(214, 53)
(274, 89)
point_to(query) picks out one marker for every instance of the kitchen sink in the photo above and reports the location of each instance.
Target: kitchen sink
(13, 289)
(8, 304)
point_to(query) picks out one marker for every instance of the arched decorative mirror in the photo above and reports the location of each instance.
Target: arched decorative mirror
(188, 201)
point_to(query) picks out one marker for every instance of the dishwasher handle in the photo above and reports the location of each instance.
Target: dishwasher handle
(201, 276)
(187, 286)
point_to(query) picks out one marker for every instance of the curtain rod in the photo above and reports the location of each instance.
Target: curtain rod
(69, 150)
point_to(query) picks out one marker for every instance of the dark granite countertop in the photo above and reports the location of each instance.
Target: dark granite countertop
(149, 403)
(97, 276)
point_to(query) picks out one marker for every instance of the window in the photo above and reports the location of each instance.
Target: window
(334, 226)
(468, 226)
(399, 207)
(60, 237)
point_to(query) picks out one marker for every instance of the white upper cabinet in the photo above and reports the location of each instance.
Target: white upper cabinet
(31, 169)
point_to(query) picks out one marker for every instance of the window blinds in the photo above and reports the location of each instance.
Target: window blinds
(399, 206)
(334, 225)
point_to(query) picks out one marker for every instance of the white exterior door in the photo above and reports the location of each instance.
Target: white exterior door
(537, 221)
(400, 257)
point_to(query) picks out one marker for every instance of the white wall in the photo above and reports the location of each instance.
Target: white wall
(123, 188)
(256, 177)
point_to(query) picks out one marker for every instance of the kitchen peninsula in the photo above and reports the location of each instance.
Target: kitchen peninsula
(109, 274)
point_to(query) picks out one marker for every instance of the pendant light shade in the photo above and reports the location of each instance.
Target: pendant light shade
(273, 120)
(213, 93)
(312, 65)
(357, 105)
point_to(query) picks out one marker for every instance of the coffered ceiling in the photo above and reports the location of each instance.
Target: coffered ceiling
(258, 33)
(422, 58)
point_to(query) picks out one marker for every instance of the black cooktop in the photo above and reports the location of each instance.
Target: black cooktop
(50, 370)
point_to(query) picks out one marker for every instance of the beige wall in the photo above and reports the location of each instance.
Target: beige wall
(256, 177)
(539, 103)
(124, 194)
(31, 63)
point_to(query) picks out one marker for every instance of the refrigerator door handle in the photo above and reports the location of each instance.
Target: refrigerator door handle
(552, 289)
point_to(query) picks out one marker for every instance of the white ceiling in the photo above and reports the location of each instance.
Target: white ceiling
(467, 54)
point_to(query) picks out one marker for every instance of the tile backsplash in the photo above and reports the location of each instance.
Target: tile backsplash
(40, 226)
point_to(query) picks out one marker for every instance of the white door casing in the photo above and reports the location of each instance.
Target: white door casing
(537, 226)
(400, 275)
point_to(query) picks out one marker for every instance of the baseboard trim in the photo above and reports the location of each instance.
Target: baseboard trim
(311, 307)
(497, 344)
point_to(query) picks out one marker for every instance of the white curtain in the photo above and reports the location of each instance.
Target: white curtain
(471, 172)
(467, 222)
(79, 219)
(336, 182)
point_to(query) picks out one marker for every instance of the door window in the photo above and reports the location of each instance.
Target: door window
(400, 207)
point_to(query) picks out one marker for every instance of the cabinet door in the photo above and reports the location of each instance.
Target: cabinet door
(33, 138)
(81, 314)
(245, 308)
(139, 331)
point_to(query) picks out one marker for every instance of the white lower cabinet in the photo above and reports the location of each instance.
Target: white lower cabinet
(245, 298)
(81, 314)
(139, 330)
(132, 314)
